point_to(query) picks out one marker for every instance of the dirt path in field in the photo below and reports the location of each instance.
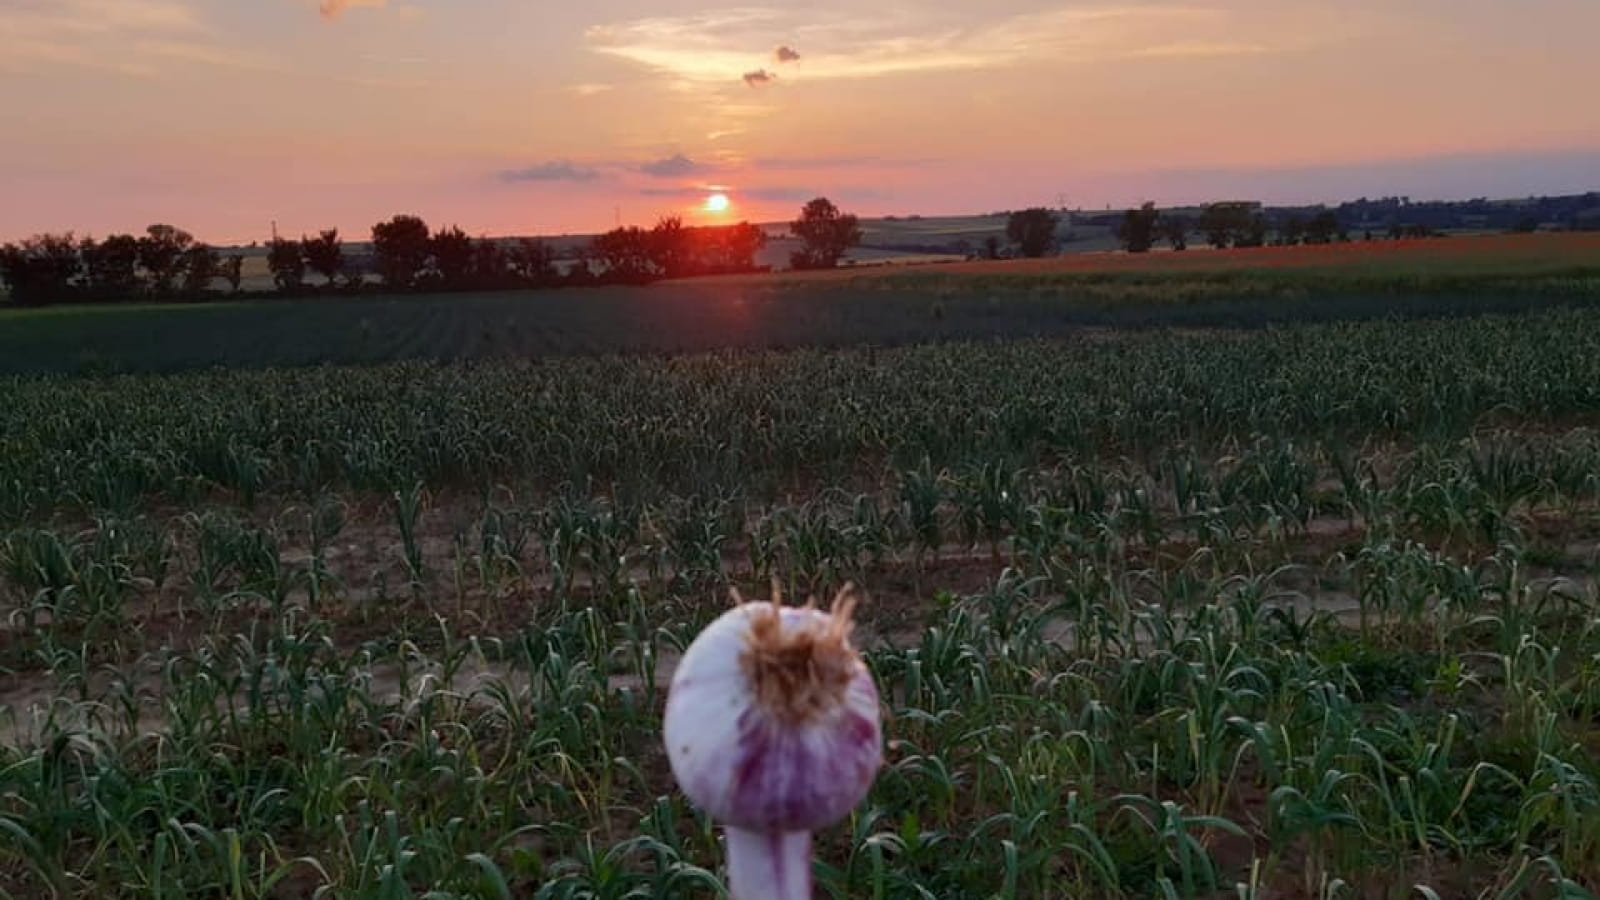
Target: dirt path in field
(40, 705)
(129, 704)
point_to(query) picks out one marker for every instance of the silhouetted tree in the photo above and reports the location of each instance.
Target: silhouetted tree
(324, 254)
(200, 264)
(400, 249)
(287, 262)
(1292, 232)
(1255, 234)
(991, 247)
(1323, 228)
(1215, 226)
(111, 267)
(1232, 224)
(161, 255)
(491, 265)
(825, 233)
(1033, 231)
(1138, 230)
(533, 262)
(41, 269)
(452, 256)
(672, 248)
(626, 255)
(233, 271)
(737, 246)
(1176, 231)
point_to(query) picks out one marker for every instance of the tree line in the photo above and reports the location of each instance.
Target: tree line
(671, 249)
(167, 263)
(1033, 232)
(164, 262)
(406, 255)
(1245, 225)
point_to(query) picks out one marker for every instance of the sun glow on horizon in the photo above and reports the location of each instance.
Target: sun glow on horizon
(645, 112)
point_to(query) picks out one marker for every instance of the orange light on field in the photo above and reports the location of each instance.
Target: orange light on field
(718, 203)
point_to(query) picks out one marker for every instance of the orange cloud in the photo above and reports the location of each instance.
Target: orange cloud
(717, 47)
(331, 9)
(128, 37)
(91, 17)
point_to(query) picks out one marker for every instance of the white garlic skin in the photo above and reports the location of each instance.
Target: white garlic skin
(747, 767)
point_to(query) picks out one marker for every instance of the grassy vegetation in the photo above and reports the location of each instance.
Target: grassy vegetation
(1296, 612)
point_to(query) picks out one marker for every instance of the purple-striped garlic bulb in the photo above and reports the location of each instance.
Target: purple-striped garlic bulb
(772, 727)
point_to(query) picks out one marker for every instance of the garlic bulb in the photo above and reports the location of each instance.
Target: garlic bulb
(772, 727)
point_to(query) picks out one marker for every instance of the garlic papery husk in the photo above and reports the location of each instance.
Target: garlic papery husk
(772, 727)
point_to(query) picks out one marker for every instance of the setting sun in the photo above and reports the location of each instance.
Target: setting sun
(717, 203)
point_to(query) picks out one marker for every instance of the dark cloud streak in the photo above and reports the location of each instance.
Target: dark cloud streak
(550, 171)
(675, 166)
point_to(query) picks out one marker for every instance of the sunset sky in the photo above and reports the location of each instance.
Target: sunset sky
(515, 116)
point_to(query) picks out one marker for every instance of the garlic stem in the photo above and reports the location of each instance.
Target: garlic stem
(769, 865)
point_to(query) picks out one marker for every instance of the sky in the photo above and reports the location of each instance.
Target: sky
(525, 116)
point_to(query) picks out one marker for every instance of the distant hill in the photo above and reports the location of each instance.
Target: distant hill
(1570, 212)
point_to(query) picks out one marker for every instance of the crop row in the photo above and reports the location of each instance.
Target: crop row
(1078, 728)
(765, 423)
(1475, 494)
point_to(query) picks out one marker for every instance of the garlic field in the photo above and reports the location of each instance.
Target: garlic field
(1309, 611)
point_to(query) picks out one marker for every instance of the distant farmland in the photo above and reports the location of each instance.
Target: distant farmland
(888, 306)
(1501, 254)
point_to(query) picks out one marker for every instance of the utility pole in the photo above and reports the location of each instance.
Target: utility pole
(274, 231)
